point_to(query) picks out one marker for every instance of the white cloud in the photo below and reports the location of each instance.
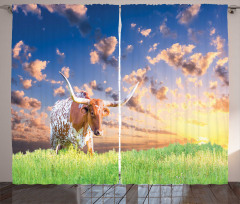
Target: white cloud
(104, 49)
(65, 71)
(222, 62)
(176, 56)
(59, 91)
(56, 82)
(188, 14)
(213, 84)
(29, 127)
(28, 8)
(87, 88)
(75, 13)
(137, 76)
(129, 48)
(27, 83)
(94, 57)
(109, 89)
(145, 32)
(212, 31)
(173, 55)
(221, 71)
(61, 54)
(18, 99)
(221, 104)
(166, 30)
(35, 69)
(219, 42)
(107, 45)
(179, 83)
(153, 48)
(133, 25)
(195, 81)
(22, 51)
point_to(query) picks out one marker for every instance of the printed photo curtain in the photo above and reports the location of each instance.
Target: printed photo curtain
(174, 94)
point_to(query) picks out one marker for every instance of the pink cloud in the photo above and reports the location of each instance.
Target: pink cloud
(145, 32)
(188, 14)
(35, 69)
(176, 56)
(28, 8)
(59, 91)
(18, 99)
(104, 49)
(65, 71)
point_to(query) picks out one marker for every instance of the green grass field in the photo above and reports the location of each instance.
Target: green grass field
(175, 164)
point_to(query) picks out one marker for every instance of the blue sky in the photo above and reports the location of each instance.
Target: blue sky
(181, 92)
(53, 31)
(178, 53)
(57, 38)
(153, 16)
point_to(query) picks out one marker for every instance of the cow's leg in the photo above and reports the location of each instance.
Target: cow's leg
(59, 147)
(90, 149)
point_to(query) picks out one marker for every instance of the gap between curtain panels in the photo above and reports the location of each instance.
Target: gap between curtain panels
(119, 95)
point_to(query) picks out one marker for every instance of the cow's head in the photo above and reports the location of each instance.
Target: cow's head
(96, 109)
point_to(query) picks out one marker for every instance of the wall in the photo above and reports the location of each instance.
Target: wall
(5, 78)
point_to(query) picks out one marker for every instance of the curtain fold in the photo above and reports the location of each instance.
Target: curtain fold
(81, 42)
(175, 128)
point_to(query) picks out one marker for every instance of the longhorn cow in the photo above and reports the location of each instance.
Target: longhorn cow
(76, 119)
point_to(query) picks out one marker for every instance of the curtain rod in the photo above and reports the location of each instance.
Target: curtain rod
(231, 9)
(7, 7)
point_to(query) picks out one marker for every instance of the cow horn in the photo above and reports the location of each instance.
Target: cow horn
(74, 98)
(123, 102)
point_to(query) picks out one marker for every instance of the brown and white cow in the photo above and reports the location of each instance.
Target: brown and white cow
(74, 120)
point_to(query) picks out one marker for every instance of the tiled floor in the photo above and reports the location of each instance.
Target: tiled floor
(229, 193)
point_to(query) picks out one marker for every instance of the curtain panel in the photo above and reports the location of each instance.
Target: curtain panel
(168, 64)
